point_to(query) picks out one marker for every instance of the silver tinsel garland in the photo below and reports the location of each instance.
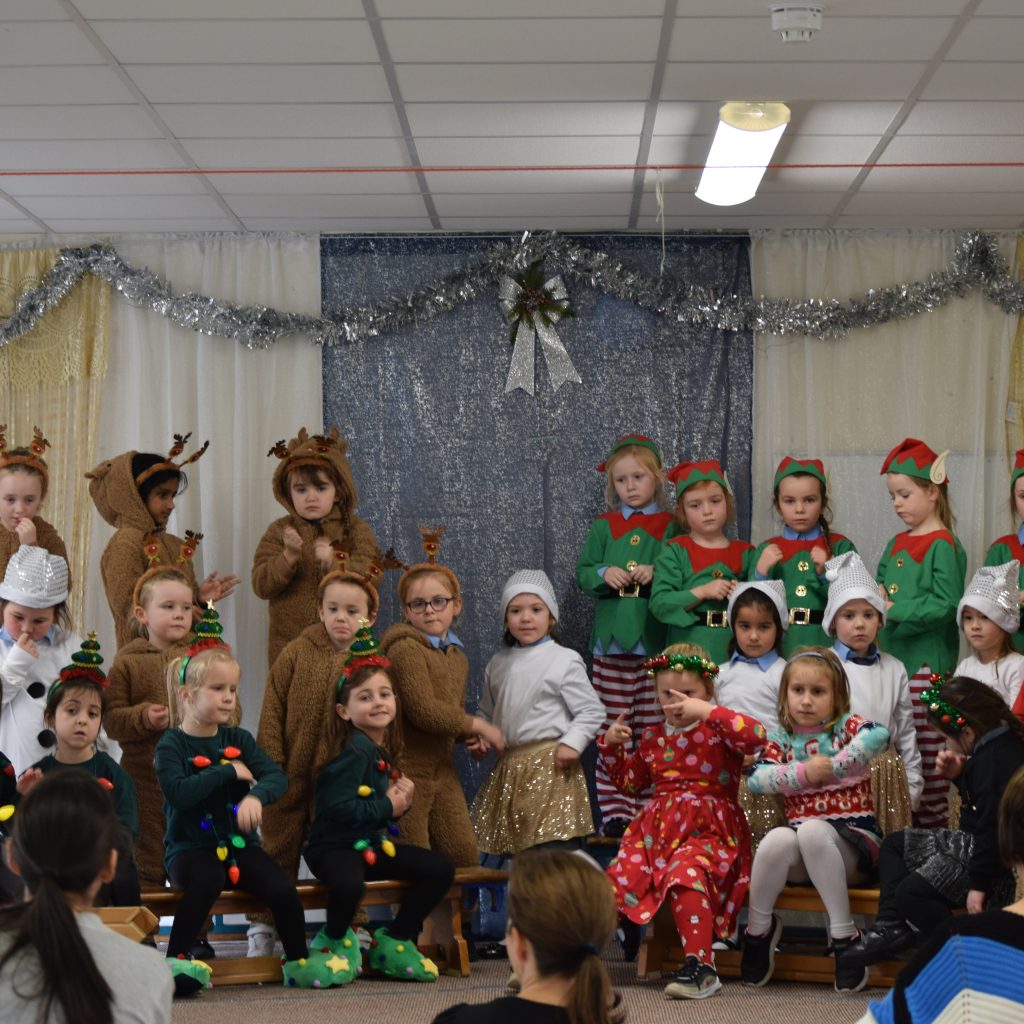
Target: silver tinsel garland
(977, 263)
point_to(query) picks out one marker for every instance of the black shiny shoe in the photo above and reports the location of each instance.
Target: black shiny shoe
(614, 828)
(202, 950)
(879, 942)
(850, 977)
(758, 962)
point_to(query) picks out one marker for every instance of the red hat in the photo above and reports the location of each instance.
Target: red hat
(914, 458)
(627, 441)
(1018, 467)
(686, 474)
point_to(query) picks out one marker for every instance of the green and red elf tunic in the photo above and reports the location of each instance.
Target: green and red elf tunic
(1012, 546)
(683, 564)
(806, 591)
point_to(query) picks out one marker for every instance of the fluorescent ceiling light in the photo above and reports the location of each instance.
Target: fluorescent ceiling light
(746, 138)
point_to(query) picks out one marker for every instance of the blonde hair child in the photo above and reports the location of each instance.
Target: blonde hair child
(616, 566)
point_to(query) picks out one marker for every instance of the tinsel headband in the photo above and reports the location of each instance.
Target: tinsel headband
(702, 667)
(151, 549)
(947, 714)
(208, 638)
(365, 650)
(84, 667)
(33, 460)
(169, 464)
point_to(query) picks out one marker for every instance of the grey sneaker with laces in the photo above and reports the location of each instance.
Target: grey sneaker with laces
(694, 980)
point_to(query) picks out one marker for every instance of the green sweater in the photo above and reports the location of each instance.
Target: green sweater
(924, 578)
(1002, 551)
(341, 816)
(190, 793)
(122, 789)
(804, 587)
(616, 540)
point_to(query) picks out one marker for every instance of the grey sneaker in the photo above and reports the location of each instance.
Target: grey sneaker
(694, 980)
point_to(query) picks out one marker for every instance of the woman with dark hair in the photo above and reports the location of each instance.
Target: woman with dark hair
(59, 964)
(561, 912)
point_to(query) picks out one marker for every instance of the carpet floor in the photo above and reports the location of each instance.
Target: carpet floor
(372, 998)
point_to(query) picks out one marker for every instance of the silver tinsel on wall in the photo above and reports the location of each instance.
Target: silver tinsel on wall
(977, 263)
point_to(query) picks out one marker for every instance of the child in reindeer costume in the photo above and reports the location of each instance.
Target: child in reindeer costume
(429, 669)
(314, 484)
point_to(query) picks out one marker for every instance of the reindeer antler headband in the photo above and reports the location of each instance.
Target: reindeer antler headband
(169, 464)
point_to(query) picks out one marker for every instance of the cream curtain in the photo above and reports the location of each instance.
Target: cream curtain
(941, 376)
(52, 378)
(165, 380)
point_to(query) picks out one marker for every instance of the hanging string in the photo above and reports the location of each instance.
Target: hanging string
(659, 195)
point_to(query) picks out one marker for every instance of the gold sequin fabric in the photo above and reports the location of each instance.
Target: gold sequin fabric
(528, 800)
(890, 792)
(763, 811)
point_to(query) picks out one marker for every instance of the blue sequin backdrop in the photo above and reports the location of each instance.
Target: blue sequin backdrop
(435, 440)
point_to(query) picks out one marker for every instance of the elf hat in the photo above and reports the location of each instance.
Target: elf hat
(529, 581)
(790, 467)
(849, 580)
(774, 590)
(628, 441)
(994, 591)
(30, 455)
(914, 458)
(35, 578)
(1018, 467)
(686, 474)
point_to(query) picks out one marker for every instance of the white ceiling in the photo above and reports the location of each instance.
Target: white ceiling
(263, 88)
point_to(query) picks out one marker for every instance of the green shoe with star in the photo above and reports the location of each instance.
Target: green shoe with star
(347, 946)
(399, 958)
(318, 970)
(190, 976)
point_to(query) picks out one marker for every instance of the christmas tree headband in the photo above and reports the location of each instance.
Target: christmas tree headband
(705, 668)
(794, 467)
(629, 440)
(945, 713)
(169, 464)
(365, 651)
(208, 638)
(84, 667)
(151, 549)
(34, 457)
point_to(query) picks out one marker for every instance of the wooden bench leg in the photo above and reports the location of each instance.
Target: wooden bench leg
(443, 928)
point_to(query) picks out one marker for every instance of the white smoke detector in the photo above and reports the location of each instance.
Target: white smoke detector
(796, 23)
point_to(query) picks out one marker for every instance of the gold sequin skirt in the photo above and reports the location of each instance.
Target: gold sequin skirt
(763, 811)
(890, 793)
(529, 800)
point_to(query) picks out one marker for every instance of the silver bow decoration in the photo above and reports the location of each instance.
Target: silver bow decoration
(533, 309)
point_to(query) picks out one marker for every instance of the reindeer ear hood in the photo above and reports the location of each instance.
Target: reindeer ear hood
(325, 451)
(113, 491)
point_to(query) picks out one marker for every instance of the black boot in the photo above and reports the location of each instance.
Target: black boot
(880, 942)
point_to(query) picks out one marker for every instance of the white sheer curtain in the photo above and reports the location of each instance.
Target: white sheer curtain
(164, 380)
(941, 376)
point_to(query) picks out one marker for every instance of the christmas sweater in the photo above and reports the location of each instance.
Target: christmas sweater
(201, 788)
(115, 779)
(614, 540)
(924, 579)
(351, 802)
(804, 587)
(46, 537)
(692, 830)
(1002, 551)
(684, 564)
(850, 744)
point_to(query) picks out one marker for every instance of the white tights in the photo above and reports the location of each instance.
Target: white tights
(814, 852)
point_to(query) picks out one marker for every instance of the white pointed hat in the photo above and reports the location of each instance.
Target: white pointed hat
(994, 591)
(35, 578)
(849, 580)
(774, 590)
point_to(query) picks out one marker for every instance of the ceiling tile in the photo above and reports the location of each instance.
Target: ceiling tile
(516, 152)
(111, 155)
(77, 122)
(763, 204)
(34, 10)
(516, 227)
(316, 184)
(281, 120)
(499, 40)
(50, 208)
(533, 9)
(965, 118)
(930, 221)
(834, 9)
(989, 39)
(518, 119)
(522, 182)
(318, 154)
(44, 43)
(261, 83)
(21, 186)
(142, 225)
(69, 85)
(839, 80)
(341, 226)
(330, 207)
(528, 207)
(237, 42)
(130, 10)
(976, 80)
(942, 203)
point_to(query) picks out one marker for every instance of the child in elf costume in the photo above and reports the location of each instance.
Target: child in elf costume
(798, 556)
(24, 478)
(314, 484)
(1012, 545)
(135, 493)
(695, 573)
(616, 566)
(922, 573)
(429, 670)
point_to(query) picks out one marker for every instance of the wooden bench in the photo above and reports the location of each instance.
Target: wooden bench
(661, 950)
(441, 937)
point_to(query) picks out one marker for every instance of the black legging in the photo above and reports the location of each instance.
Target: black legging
(201, 877)
(123, 890)
(346, 873)
(903, 895)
